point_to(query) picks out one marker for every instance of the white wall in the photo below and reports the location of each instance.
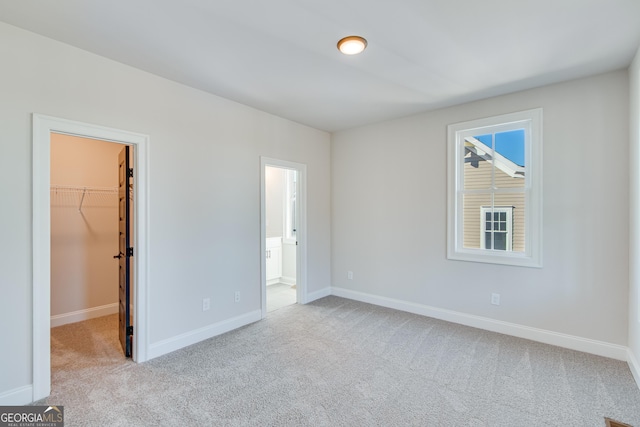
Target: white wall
(634, 231)
(84, 274)
(204, 188)
(389, 214)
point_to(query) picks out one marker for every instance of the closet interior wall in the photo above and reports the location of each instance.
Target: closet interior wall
(84, 228)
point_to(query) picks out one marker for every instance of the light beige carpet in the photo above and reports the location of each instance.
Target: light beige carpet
(337, 362)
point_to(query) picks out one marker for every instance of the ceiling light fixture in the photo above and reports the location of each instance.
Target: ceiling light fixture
(352, 45)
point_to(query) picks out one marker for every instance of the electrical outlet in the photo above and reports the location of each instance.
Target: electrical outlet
(237, 296)
(495, 299)
(206, 304)
(350, 275)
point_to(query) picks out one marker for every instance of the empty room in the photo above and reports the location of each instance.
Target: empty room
(321, 213)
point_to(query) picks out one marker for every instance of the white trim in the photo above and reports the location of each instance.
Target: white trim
(301, 233)
(531, 121)
(288, 280)
(572, 342)
(634, 366)
(319, 294)
(43, 126)
(17, 396)
(192, 337)
(86, 314)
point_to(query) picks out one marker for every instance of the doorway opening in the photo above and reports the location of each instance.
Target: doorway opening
(90, 304)
(283, 234)
(281, 224)
(50, 200)
(91, 228)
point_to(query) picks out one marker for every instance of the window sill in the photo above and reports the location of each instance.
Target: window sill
(517, 259)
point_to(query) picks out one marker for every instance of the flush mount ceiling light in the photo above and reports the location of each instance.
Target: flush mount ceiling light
(352, 45)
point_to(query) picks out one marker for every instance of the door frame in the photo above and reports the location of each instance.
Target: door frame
(43, 126)
(301, 231)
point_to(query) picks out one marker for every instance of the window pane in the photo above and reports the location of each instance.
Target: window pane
(477, 165)
(474, 220)
(487, 240)
(509, 162)
(500, 241)
(486, 139)
(511, 145)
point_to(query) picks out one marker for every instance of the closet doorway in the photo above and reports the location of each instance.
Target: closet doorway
(91, 238)
(283, 234)
(44, 128)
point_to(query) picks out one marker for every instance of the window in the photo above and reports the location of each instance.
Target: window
(290, 218)
(495, 185)
(497, 228)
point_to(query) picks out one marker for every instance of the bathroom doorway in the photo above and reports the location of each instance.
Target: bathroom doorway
(282, 234)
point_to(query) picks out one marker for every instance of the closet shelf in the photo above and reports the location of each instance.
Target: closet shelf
(83, 191)
(74, 189)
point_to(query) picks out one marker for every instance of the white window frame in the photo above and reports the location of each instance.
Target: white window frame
(531, 121)
(483, 225)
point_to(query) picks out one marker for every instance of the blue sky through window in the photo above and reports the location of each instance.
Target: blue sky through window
(510, 144)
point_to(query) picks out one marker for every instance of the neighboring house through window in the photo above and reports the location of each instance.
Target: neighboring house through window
(495, 184)
(497, 228)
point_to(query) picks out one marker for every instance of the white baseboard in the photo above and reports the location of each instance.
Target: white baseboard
(17, 396)
(572, 342)
(633, 366)
(195, 336)
(273, 281)
(288, 280)
(318, 294)
(80, 315)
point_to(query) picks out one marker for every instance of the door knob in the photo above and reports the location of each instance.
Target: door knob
(118, 256)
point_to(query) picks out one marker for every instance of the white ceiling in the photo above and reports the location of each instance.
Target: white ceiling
(280, 56)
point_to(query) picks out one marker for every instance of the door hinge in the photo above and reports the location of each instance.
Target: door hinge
(130, 172)
(129, 251)
(129, 330)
